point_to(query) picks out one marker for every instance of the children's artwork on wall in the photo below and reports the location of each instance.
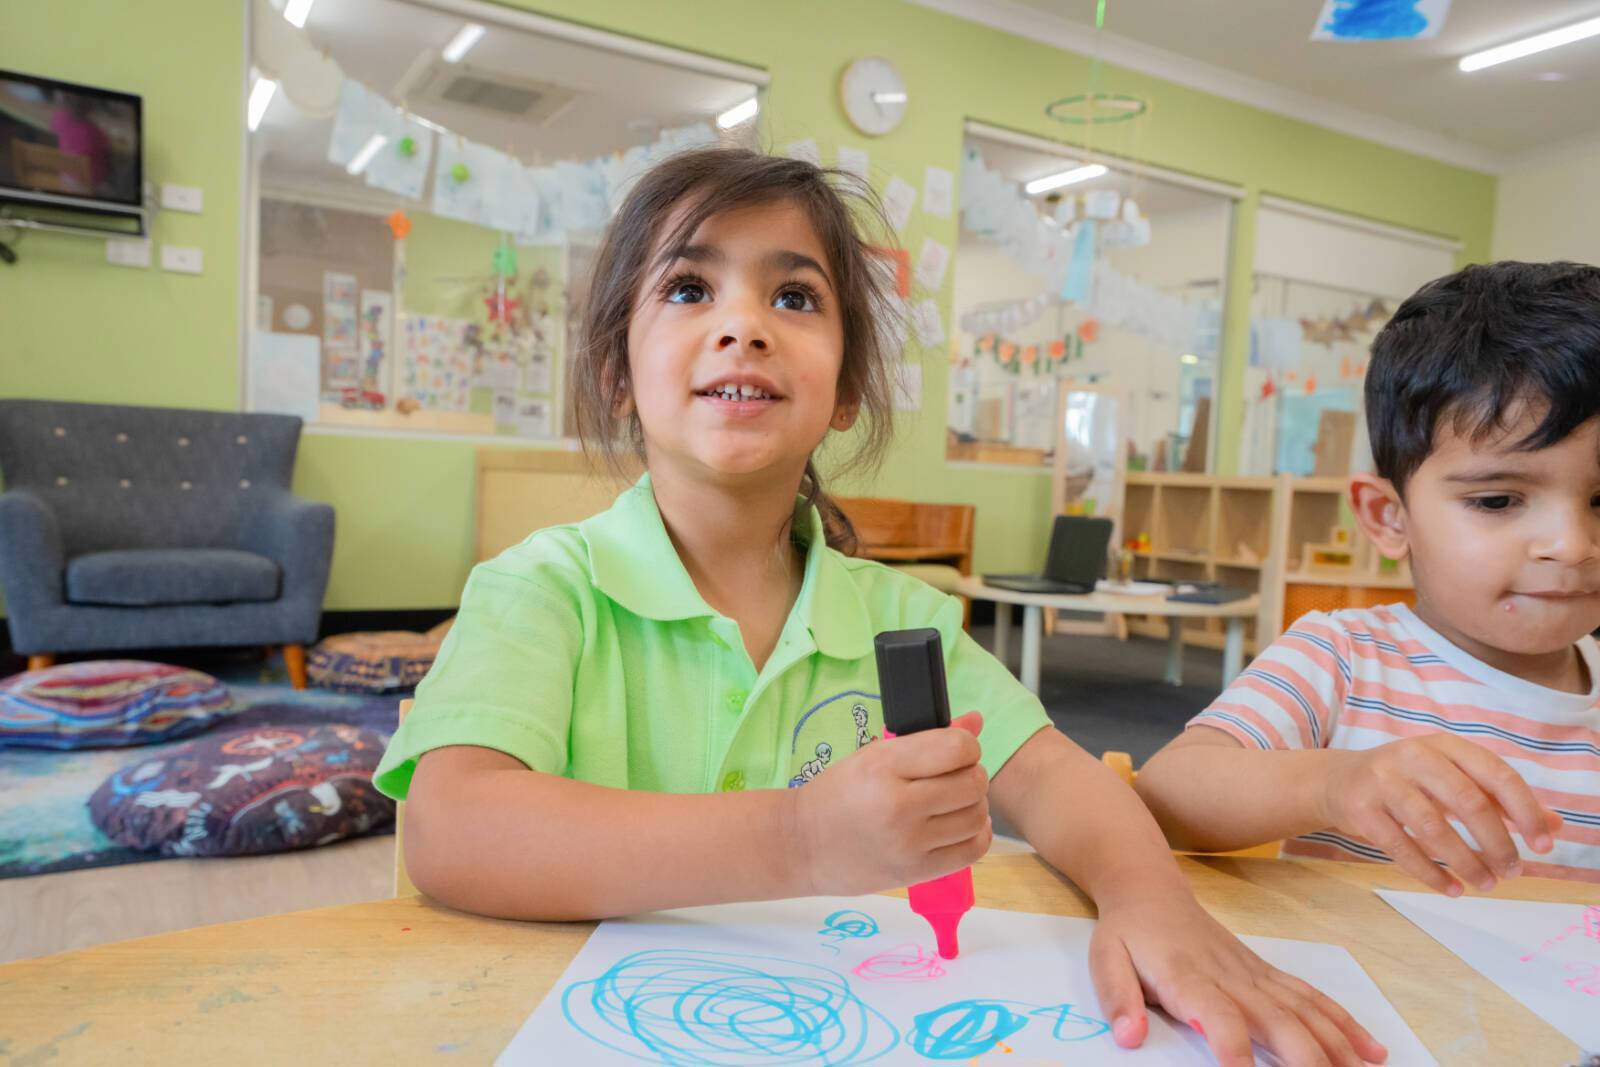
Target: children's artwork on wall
(341, 368)
(1545, 955)
(898, 200)
(938, 192)
(436, 364)
(932, 262)
(928, 324)
(1379, 20)
(853, 161)
(377, 314)
(853, 980)
(804, 150)
(908, 386)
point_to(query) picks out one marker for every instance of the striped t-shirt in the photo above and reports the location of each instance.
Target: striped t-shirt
(1358, 678)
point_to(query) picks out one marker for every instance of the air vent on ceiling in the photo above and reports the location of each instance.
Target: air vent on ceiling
(507, 97)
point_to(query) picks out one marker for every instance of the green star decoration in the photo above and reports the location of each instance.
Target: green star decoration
(460, 172)
(407, 147)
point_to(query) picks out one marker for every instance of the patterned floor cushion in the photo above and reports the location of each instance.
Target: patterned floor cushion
(266, 789)
(382, 662)
(103, 703)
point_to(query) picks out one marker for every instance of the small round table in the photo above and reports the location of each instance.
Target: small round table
(1235, 612)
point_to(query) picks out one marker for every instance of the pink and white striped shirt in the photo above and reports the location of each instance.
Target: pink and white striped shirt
(1359, 678)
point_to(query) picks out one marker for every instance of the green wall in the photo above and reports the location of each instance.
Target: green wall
(76, 329)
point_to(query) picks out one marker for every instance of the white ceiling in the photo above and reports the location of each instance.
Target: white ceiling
(621, 100)
(1407, 93)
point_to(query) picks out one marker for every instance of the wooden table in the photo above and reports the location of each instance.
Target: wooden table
(1235, 612)
(408, 981)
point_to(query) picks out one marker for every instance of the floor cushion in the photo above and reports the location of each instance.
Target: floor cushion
(376, 662)
(242, 792)
(151, 577)
(103, 703)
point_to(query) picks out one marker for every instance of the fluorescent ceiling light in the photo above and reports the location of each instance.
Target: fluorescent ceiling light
(462, 42)
(1066, 177)
(260, 96)
(1190, 358)
(738, 113)
(368, 150)
(297, 11)
(1539, 42)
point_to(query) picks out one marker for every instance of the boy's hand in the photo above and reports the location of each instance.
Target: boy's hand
(895, 813)
(1400, 795)
(1167, 950)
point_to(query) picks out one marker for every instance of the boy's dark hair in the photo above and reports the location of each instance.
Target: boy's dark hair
(1477, 346)
(702, 183)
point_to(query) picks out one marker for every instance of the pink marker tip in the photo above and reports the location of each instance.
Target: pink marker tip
(943, 901)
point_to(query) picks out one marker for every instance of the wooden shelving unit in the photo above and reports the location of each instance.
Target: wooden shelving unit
(1251, 532)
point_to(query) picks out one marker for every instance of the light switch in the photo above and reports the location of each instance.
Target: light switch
(181, 198)
(181, 259)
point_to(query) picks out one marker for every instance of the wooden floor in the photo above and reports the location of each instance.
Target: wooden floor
(56, 912)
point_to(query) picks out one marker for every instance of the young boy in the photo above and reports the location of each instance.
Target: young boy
(1436, 733)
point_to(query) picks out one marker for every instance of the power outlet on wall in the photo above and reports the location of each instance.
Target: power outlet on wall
(124, 252)
(181, 259)
(181, 198)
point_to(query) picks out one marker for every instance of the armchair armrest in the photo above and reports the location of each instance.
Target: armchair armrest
(31, 554)
(297, 535)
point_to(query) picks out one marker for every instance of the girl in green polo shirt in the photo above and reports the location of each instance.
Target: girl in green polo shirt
(675, 702)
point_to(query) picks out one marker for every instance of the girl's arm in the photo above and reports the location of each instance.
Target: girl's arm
(486, 834)
(1210, 794)
(1153, 942)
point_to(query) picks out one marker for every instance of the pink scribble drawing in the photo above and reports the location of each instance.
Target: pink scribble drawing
(1587, 978)
(1589, 923)
(903, 963)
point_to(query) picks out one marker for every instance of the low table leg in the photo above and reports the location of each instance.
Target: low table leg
(1232, 652)
(1174, 672)
(1002, 631)
(1032, 625)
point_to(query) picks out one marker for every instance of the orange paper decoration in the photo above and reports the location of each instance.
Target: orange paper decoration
(1089, 331)
(1030, 355)
(986, 343)
(1007, 351)
(1058, 350)
(399, 225)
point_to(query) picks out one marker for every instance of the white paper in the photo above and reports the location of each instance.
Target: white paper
(932, 262)
(436, 366)
(1545, 955)
(393, 171)
(286, 374)
(898, 200)
(358, 118)
(533, 417)
(341, 368)
(806, 151)
(927, 323)
(464, 200)
(836, 980)
(1379, 20)
(853, 161)
(908, 387)
(938, 191)
(377, 327)
(1101, 203)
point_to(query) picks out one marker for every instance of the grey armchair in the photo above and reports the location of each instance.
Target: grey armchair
(131, 527)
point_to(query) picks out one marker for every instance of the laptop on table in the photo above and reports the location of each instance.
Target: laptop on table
(1076, 560)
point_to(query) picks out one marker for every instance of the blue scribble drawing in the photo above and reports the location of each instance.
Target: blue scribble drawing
(844, 925)
(967, 1028)
(686, 1008)
(1375, 20)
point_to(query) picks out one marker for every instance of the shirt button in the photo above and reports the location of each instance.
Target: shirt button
(733, 782)
(736, 698)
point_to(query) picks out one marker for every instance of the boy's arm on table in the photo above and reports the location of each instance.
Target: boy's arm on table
(1153, 942)
(1210, 793)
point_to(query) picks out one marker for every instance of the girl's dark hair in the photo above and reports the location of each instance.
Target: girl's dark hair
(846, 215)
(1475, 347)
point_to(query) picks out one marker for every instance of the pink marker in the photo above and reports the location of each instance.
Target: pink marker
(914, 696)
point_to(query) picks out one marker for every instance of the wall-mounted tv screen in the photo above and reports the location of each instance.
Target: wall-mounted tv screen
(67, 145)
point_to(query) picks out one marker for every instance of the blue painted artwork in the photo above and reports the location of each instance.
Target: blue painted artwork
(1379, 20)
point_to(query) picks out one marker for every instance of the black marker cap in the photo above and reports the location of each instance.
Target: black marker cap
(911, 680)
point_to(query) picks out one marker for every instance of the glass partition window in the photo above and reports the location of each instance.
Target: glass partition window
(428, 189)
(1070, 274)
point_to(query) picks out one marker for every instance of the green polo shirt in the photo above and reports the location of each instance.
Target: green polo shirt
(586, 651)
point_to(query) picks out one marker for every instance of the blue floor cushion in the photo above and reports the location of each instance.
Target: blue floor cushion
(103, 703)
(242, 792)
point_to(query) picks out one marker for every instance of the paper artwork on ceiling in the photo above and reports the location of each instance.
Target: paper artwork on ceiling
(1379, 20)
